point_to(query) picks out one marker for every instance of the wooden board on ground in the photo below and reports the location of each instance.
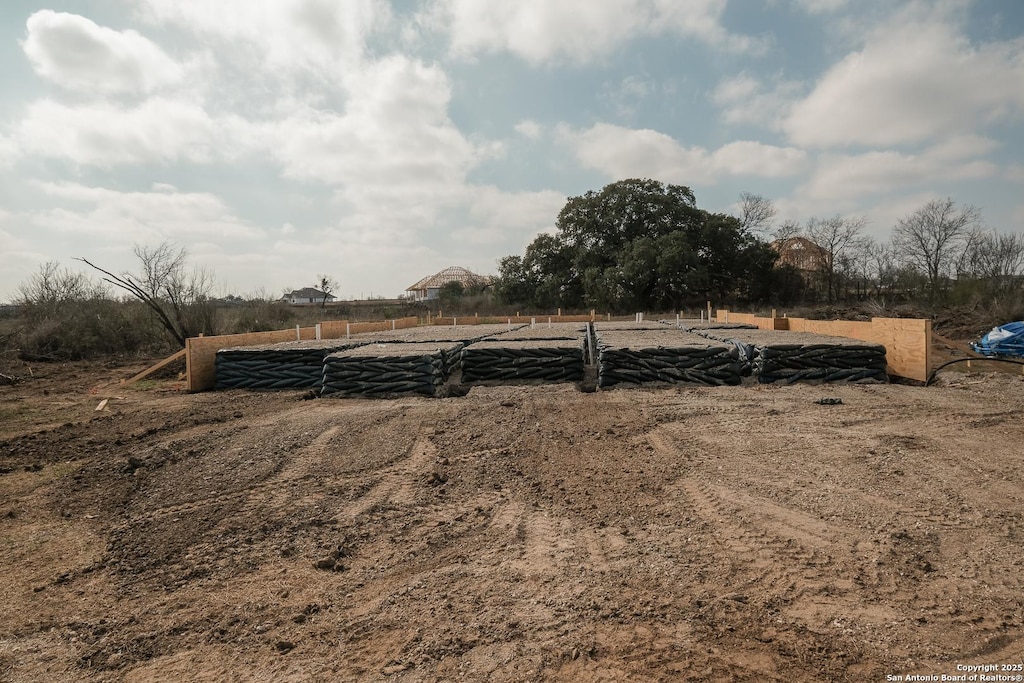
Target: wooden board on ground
(154, 368)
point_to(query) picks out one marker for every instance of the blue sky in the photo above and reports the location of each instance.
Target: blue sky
(381, 142)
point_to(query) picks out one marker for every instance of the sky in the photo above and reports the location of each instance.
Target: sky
(378, 142)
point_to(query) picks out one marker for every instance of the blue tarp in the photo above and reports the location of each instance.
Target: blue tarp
(1005, 340)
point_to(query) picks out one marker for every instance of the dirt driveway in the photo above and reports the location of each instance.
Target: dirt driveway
(514, 534)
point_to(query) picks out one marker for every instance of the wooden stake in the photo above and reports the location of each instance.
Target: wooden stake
(159, 366)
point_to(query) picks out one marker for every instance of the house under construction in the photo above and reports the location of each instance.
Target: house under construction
(428, 288)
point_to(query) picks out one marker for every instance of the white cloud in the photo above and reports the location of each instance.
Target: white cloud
(736, 89)
(744, 99)
(702, 20)
(582, 30)
(143, 217)
(393, 133)
(17, 251)
(529, 129)
(9, 152)
(622, 152)
(916, 79)
(821, 6)
(881, 215)
(746, 157)
(508, 217)
(394, 156)
(960, 147)
(626, 95)
(1018, 217)
(324, 37)
(1015, 173)
(883, 172)
(19, 260)
(78, 55)
(105, 135)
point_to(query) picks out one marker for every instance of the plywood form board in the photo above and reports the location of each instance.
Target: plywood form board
(153, 368)
(908, 344)
(907, 341)
(201, 352)
(763, 323)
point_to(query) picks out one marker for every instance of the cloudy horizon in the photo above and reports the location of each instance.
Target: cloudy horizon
(379, 142)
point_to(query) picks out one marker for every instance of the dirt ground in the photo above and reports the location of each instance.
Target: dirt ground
(514, 534)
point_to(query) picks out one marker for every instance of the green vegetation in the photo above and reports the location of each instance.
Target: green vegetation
(639, 245)
(636, 245)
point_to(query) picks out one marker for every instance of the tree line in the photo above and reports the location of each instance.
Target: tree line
(63, 314)
(640, 244)
(636, 244)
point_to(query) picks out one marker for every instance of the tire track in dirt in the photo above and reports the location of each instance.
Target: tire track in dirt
(293, 471)
(396, 483)
(302, 464)
(770, 545)
(813, 566)
(606, 550)
(533, 540)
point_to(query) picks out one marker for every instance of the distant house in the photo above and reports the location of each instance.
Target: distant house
(429, 287)
(308, 295)
(800, 253)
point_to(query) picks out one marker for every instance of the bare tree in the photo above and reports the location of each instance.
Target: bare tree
(327, 285)
(54, 286)
(756, 212)
(787, 230)
(861, 265)
(839, 237)
(176, 295)
(997, 260)
(934, 238)
(882, 266)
